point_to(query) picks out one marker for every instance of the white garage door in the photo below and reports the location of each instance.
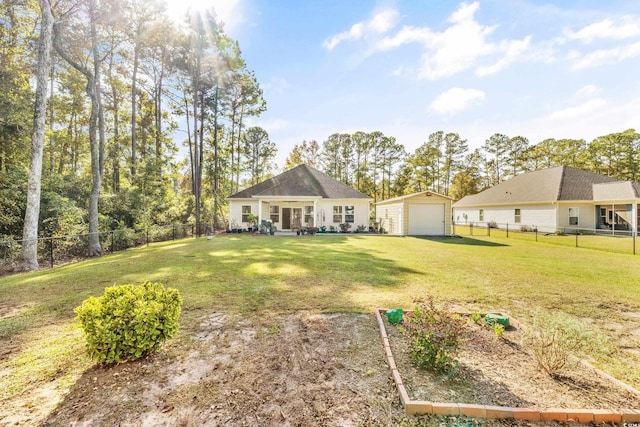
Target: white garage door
(426, 219)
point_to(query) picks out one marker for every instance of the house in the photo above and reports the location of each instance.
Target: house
(426, 213)
(300, 197)
(561, 198)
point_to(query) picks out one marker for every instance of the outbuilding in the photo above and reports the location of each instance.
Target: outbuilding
(419, 214)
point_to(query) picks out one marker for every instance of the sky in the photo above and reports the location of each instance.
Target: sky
(554, 69)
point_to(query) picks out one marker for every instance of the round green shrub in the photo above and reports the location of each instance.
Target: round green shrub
(129, 321)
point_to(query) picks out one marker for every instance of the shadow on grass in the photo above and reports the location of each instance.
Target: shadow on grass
(467, 241)
(236, 273)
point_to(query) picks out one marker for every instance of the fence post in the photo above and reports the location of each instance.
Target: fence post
(192, 233)
(51, 250)
(173, 227)
(635, 233)
(146, 235)
(488, 230)
(536, 229)
(112, 239)
(507, 230)
(471, 229)
(576, 238)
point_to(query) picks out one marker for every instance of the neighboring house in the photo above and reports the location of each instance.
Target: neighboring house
(300, 197)
(426, 213)
(560, 198)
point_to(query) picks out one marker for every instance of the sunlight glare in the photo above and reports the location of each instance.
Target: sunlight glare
(227, 11)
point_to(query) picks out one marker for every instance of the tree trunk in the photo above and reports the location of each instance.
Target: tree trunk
(97, 147)
(134, 113)
(30, 231)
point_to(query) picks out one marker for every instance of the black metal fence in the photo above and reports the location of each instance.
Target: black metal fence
(63, 249)
(611, 240)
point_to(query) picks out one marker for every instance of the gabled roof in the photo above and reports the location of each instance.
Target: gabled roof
(409, 196)
(546, 185)
(301, 181)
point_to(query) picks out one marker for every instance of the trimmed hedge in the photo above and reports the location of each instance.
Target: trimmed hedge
(129, 321)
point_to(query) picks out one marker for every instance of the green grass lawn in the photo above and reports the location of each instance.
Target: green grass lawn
(243, 274)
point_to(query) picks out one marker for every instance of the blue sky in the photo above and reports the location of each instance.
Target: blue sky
(563, 69)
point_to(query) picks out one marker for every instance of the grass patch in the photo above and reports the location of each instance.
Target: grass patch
(242, 274)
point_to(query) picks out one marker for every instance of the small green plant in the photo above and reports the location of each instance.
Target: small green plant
(129, 321)
(554, 339)
(434, 335)
(498, 329)
(476, 317)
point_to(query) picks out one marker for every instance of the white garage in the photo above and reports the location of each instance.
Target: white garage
(426, 219)
(418, 214)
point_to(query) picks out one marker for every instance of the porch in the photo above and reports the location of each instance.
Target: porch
(617, 217)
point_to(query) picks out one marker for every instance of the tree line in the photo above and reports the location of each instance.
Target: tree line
(380, 167)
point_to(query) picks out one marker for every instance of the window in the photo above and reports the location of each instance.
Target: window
(274, 214)
(349, 214)
(573, 216)
(308, 216)
(481, 215)
(246, 211)
(517, 216)
(337, 214)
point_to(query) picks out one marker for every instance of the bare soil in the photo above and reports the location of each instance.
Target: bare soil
(298, 369)
(501, 372)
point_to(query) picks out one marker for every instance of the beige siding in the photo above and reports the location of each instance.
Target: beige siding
(235, 212)
(390, 218)
(395, 213)
(586, 215)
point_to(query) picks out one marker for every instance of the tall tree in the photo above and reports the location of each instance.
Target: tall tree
(496, 149)
(516, 155)
(30, 233)
(454, 150)
(92, 73)
(305, 153)
(259, 152)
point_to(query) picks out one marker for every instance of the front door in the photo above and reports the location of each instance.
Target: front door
(286, 218)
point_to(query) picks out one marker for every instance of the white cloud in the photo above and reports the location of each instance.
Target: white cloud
(628, 26)
(513, 51)
(587, 91)
(456, 100)
(458, 47)
(604, 56)
(379, 23)
(579, 111)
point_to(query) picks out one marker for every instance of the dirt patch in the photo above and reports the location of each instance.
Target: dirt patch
(299, 369)
(501, 372)
(295, 369)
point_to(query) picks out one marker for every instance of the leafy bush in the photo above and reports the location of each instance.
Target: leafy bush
(554, 339)
(129, 321)
(434, 336)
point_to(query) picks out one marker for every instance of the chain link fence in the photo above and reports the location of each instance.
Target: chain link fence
(611, 240)
(56, 250)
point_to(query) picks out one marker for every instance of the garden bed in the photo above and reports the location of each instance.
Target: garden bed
(500, 372)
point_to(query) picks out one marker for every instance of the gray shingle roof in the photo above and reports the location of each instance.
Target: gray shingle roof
(620, 190)
(301, 181)
(546, 185)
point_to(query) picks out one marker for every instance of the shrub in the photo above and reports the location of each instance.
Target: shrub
(434, 336)
(129, 321)
(492, 224)
(554, 339)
